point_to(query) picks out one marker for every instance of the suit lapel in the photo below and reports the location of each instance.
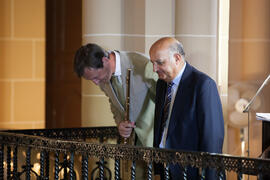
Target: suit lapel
(108, 86)
(126, 63)
(110, 93)
(123, 64)
(179, 101)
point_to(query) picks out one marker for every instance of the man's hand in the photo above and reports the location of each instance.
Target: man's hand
(125, 128)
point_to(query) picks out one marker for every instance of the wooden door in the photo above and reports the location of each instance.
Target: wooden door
(63, 87)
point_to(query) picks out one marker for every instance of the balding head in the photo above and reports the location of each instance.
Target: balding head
(167, 56)
(167, 44)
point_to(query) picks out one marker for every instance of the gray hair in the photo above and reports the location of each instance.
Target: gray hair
(177, 48)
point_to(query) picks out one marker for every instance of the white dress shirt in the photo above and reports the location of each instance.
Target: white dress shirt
(117, 71)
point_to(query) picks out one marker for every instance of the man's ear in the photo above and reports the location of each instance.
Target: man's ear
(178, 57)
(105, 60)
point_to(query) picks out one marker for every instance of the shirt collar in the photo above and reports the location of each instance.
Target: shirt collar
(177, 79)
(117, 64)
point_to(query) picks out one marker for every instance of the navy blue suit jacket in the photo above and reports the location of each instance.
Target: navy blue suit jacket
(196, 122)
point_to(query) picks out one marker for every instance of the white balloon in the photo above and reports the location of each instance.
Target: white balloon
(238, 119)
(240, 105)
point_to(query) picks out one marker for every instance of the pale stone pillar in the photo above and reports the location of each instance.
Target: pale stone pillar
(203, 28)
(102, 24)
(196, 27)
(159, 20)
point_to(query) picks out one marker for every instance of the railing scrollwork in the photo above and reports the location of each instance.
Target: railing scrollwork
(67, 147)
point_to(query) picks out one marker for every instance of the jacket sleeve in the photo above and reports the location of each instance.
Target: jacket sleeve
(117, 115)
(211, 123)
(210, 118)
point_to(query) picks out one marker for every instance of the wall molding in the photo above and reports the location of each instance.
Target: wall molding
(23, 80)
(149, 35)
(22, 39)
(252, 40)
(22, 122)
(93, 95)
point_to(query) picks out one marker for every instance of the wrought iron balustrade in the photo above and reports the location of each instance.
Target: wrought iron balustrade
(60, 150)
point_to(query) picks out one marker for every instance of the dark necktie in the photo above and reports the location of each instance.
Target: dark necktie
(167, 104)
(118, 89)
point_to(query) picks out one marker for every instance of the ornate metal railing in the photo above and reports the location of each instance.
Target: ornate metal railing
(68, 153)
(72, 133)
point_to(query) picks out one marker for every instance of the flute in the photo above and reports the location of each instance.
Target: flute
(127, 98)
(127, 95)
(126, 164)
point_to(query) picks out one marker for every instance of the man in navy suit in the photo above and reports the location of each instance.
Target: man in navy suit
(193, 120)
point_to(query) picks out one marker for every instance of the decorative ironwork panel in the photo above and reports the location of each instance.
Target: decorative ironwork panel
(71, 133)
(84, 167)
(56, 165)
(28, 163)
(117, 169)
(15, 161)
(45, 140)
(8, 162)
(149, 171)
(47, 163)
(202, 173)
(71, 166)
(1, 161)
(133, 170)
(65, 166)
(42, 161)
(166, 171)
(101, 168)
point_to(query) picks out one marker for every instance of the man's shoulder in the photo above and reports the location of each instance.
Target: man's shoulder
(135, 60)
(198, 78)
(133, 55)
(199, 75)
(140, 64)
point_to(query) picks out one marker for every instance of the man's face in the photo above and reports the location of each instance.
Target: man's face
(163, 65)
(99, 75)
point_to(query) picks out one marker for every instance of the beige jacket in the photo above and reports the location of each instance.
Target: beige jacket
(142, 95)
